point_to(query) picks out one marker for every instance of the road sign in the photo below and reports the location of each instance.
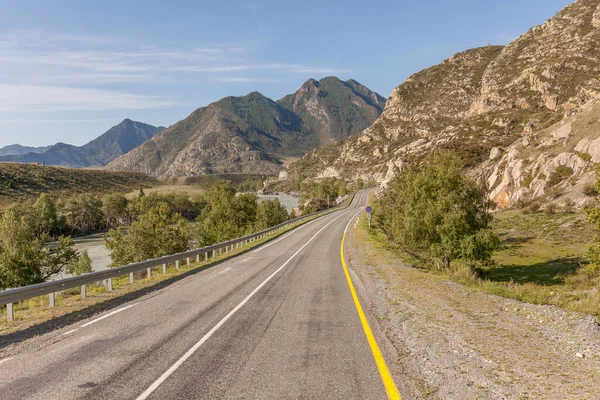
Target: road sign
(369, 209)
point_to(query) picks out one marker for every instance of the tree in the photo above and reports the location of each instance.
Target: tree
(82, 265)
(157, 233)
(24, 257)
(245, 206)
(48, 221)
(270, 213)
(219, 220)
(592, 270)
(434, 209)
(84, 213)
(115, 209)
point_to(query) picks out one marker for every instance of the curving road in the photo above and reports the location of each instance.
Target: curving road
(277, 322)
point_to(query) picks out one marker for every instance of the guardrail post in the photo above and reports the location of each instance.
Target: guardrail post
(164, 268)
(197, 258)
(220, 252)
(51, 297)
(110, 287)
(206, 256)
(131, 277)
(83, 291)
(188, 261)
(214, 253)
(226, 248)
(148, 272)
(177, 265)
(10, 313)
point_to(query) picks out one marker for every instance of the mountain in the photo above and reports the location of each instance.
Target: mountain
(332, 109)
(18, 150)
(254, 134)
(516, 113)
(117, 141)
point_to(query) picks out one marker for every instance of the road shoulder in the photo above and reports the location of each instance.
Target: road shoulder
(447, 341)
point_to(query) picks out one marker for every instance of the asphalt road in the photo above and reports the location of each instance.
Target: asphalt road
(275, 323)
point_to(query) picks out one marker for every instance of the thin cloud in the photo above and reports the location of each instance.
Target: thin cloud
(15, 98)
(52, 58)
(240, 79)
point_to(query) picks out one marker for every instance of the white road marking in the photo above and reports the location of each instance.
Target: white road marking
(224, 271)
(358, 212)
(6, 359)
(281, 238)
(108, 315)
(71, 331)
(191, 351)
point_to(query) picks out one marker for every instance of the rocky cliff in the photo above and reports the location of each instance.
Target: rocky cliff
(515, 113)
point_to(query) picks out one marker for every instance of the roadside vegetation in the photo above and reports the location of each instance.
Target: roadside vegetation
(536, 257)
(316, 196)
(35, 236)
(434, 211)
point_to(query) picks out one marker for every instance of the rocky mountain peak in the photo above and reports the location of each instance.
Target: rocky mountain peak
(252, 133)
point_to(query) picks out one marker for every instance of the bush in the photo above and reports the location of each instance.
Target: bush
(436, 210)
(550, 208)
(526, 182)
(590, 191)
(560, 174)
(157, 233)
(585, 156)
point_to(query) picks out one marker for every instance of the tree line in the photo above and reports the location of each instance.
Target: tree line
(36, 236)
(219, 215)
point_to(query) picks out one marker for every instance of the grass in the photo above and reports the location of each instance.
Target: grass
(539, 261)
(20, 181)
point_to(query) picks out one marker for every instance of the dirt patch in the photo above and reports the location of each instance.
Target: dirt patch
(457, 342)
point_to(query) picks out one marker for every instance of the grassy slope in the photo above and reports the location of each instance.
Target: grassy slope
(22, 181)
(539, 258)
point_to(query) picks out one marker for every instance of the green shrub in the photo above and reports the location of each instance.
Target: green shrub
(560, 174)
(585, 156)
(590, 191)
(526, 182)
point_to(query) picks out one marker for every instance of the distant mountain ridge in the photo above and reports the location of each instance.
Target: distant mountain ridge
(18, 150)
(118, 140)
(253, 134)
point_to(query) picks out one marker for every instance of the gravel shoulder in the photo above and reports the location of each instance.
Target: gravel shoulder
(457, 342)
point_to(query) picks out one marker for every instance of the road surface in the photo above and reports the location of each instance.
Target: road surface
(278, 322)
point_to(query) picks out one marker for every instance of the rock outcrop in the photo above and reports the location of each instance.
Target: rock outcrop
(514, 113)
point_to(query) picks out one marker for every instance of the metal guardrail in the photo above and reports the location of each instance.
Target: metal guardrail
(10, 296)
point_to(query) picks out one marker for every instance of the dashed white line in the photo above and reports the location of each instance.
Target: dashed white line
(108, 315)
(71, 331)
(191, 351)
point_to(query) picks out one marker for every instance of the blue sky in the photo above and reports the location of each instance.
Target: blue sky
(69, 70)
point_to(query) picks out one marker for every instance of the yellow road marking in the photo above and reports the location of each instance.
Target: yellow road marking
(386, 377)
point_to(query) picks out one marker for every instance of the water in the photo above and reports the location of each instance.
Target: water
(290, 202)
